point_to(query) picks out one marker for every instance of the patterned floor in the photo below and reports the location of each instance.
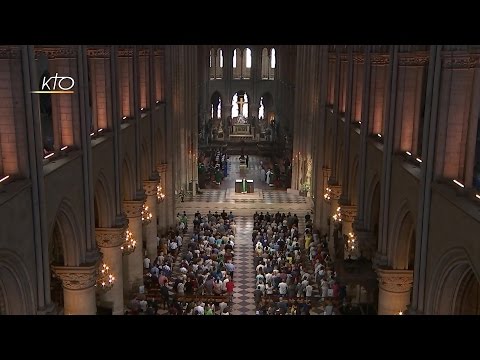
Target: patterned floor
(244, 276)
(273, 201)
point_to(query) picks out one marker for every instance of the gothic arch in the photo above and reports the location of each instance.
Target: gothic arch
(446, 291)
(371, 202)
(128, 180)
(340, 164)
(69, 234)
(402, 239)
(103, 202)
(328, 148)
(353, 181)
(159, 148)
(145, 161)
(16, 290)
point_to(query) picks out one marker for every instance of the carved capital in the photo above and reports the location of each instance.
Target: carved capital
(459, 60)
(98, 52)
(10, 52)
(162, 168)
(150, 187)
(144, 52)
(133, 208)
(125, 52)
(58, 52)
(343, 57)
(110, 237)
(76, 278)
(379, 59)
(349, 212)
(395, 280)
(159, 52)
(336, 191)
(359, 58)
(326, 172)
(409, 59)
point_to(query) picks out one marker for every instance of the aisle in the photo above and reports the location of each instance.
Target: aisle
(244, 276)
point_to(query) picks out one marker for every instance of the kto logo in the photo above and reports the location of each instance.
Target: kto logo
(56, 85)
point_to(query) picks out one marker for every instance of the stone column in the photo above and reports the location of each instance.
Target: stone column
(325, 204)
(162, 205)
(78, 289)
(349, 212)
(150, 187)
(133, 262)
(366, 243)
(394, 290)
(334, 203)
(110, 240)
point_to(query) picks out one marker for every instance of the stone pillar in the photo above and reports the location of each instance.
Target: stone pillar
(150, 187)
(110, 240)
(334, 203)
(394, 291)
(349, 212)
(133, 262)
(162, 205)
(78, 289)
(324, 204)
(366, 243)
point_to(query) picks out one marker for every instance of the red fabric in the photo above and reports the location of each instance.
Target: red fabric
(230, 285)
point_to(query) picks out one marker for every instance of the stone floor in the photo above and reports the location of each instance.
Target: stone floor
(271, 200)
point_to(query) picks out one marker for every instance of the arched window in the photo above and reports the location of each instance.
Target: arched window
(273, 63)
(212, 64)
(219, 64)
(237, 64)
(247, 63)
(235, 106)
(245, 105)
(261, 109)
(265, 64)
(219, 109)
(239, 101)
(211, 112)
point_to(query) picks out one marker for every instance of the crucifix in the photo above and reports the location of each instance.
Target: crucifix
(240, 106)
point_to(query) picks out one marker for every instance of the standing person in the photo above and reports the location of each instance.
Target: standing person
(230, 285)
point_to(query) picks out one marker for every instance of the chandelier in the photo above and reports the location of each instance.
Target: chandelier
(146, 215)
(129, 244)
(105, 280)
(351, 242)
(328, 194)
(160, 194)
(337, 217)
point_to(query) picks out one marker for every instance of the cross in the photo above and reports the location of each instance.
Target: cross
(240, 106)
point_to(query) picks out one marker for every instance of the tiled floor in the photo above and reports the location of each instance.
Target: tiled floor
(273, 201)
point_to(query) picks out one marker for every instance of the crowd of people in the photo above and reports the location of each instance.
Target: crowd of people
(203, 284)
(284, 285)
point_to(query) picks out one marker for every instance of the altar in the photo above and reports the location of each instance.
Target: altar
(244, 186)
(240, 127)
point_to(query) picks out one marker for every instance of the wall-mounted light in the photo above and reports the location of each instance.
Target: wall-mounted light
(64, 148)
(408, 153)
(91, 134)
(100, 130)
(379, 135)
(157, 101)
(459, 183)
(6, 177)
(141, 109)
(124, 118)
(49, 155)
(476, 195)
(419, 160)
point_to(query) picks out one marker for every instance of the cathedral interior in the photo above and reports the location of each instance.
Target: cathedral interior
(239, 180)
